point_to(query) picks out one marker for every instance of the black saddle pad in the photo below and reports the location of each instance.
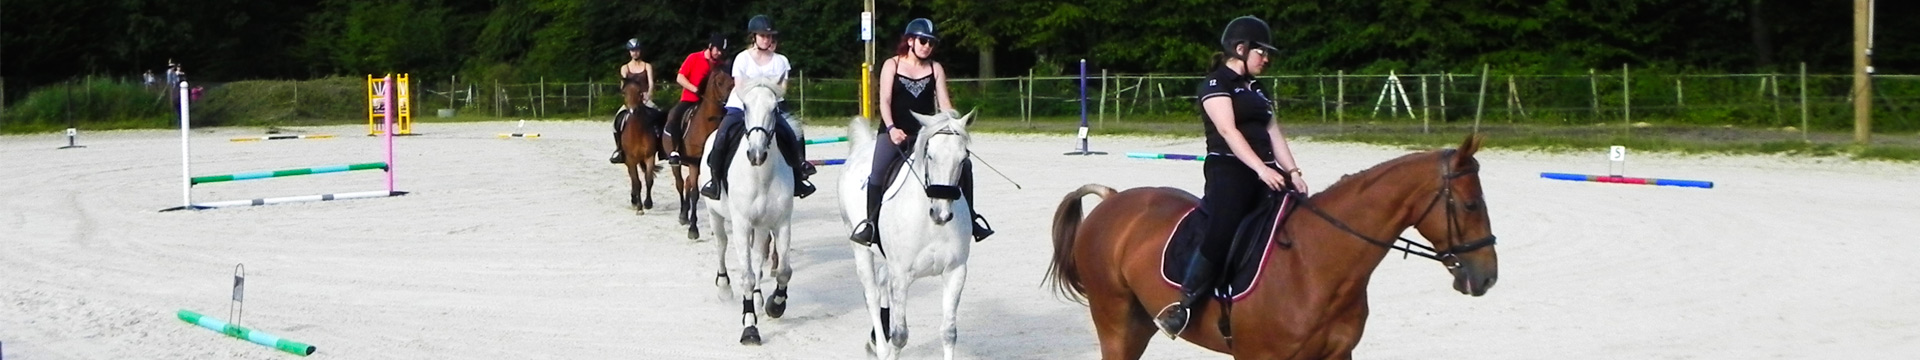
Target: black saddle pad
(1250, 253)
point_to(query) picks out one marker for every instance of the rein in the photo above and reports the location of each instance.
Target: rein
(1447, 257)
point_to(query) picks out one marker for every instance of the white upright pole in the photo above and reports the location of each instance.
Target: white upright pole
(186, 173)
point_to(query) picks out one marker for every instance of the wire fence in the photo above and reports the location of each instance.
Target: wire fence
(1621, 96)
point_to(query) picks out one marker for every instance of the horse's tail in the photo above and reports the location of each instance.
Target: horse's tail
(1066, 225)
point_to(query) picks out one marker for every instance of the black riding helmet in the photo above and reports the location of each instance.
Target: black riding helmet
(921, 27)
(716, 40)
(761, 24)
(1246, 30)
(634, 45)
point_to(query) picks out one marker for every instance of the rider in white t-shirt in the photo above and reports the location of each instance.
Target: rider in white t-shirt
(758, 62)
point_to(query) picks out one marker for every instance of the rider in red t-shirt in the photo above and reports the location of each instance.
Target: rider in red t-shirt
(693, 71)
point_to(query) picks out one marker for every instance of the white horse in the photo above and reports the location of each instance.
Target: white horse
(919, 236)
(756, 206)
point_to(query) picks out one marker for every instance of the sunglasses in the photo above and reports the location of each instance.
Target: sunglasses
(922, 41)
(1261, 52)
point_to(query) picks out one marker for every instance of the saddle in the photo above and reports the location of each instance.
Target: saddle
(1249, 253)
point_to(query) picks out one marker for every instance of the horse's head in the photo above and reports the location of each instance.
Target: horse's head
(1455, 220)
(942, 151)
(717, 85)
(761, 96)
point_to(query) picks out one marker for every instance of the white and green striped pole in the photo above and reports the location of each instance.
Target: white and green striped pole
(268, 340)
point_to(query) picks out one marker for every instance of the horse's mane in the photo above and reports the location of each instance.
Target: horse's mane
(1365, 178)
(756, 82)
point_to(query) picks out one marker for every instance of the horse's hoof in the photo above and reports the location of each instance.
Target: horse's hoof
(647, 204)
(750, 336)
(777, 305)
(693, 234)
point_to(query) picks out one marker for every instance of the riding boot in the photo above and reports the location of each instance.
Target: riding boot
(719, 161)
(868, 231)
(673, 131)
(619, 157)
(1199, 282)
(795, 152)
(981, 229)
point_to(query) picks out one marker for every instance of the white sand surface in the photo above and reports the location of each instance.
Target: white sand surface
(526, 249)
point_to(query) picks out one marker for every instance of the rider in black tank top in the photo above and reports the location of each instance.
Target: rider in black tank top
(902, 99)
(912, 96)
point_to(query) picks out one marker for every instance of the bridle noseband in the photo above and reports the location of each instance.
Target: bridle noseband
(1450, 257)
(947, 192)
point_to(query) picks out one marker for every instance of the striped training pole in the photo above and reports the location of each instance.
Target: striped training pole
(250, 335)
(1628, 180)
(285, 173)
(825, 162)
(830, 140)
(281, 137)
(1137, 155)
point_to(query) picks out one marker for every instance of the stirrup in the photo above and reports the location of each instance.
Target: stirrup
(1167, 321)
(803, 188)
(619, 157)
(711, 190)
(981, 229)
(673, 158)
(863, 233)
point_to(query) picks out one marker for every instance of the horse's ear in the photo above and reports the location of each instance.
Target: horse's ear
(925, 120)
(1467, 148)
(969, 116)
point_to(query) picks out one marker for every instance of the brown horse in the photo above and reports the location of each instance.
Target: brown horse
(1310, 301)
(640, 143)
(700, 122)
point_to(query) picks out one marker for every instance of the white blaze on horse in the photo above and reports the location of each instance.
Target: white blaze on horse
(755, 206)
(918, 232)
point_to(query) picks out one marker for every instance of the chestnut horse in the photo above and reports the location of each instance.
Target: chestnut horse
(640, 143)
(700, 122)
(1310, 300)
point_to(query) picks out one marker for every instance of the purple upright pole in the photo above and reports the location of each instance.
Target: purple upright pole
(1084, 149)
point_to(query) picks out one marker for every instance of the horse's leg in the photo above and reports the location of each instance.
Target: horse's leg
(652, 170)
(720, 279)
(782, 271)
(899, 281)
(956, 282)
(633, 192)
(871, 286)
(680, 193)
(749, 280)
(1123, 326)
(1343, 332)
(690, 195)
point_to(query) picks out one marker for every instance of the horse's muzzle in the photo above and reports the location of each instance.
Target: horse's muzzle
(1473, 278)
(939, 217)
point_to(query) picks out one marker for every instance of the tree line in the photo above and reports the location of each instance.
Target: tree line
(46, 41)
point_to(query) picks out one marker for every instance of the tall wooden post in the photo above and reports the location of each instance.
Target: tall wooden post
(1862, 71)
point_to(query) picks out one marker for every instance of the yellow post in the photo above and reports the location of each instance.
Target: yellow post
(403, 119)
(866, 91)
(374, 92)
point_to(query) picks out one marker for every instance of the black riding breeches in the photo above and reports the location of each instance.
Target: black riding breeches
(1232, 191)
